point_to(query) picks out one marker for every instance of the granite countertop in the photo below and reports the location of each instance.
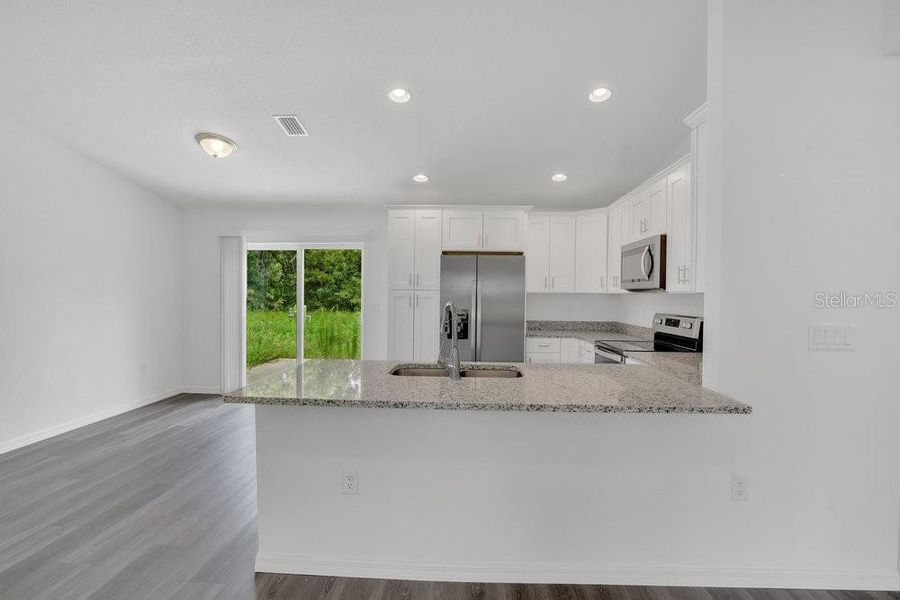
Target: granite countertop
(542, 388)
(687, 366)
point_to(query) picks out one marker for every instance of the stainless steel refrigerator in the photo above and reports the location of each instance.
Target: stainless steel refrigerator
(489, 293)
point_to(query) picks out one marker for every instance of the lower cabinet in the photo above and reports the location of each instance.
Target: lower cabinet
(559, 350)
(426, 325)
(413, 322)
(400, 325)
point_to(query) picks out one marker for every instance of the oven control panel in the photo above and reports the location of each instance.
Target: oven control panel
(677, 325)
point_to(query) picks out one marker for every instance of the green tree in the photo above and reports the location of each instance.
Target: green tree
(332, 280)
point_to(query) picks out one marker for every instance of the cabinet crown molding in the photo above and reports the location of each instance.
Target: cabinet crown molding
(455, 207)
(696, 118)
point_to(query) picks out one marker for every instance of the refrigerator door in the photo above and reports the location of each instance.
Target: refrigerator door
(458, 280)
(500, 299)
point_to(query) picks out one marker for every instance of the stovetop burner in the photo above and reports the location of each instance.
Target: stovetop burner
(671, 333)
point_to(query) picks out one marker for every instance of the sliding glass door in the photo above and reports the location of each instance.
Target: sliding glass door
(302, 300)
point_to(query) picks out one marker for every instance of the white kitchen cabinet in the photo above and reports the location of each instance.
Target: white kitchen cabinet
(542, 345)
(503, 230)
(649, 210)
(550, 254)
(401, 261)
(680, 239)
(428, 229)
(617, 226)
(462, 229)
(400, 325)
(569, 350)
(426, 311)
(537, 254)
(543, 357)
(586, 353)
(492, 229)
(591, 248)
(562, 253)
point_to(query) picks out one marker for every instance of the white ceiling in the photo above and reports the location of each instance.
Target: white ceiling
(499, 94)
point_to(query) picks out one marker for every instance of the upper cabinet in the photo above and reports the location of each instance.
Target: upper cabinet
(591, 252)
(428, 250)
(462, 229)
(414, 249)
(649, 210)
(680, 276)
(618, 224)
(550, 254)
(504, 230)
(492, 230)
(402, 236)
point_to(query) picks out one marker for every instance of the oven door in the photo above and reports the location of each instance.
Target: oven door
(644, 264)
(602, 356)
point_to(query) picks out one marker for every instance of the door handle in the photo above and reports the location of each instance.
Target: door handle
(645, 268)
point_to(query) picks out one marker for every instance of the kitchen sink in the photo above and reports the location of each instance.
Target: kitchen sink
(497, 372)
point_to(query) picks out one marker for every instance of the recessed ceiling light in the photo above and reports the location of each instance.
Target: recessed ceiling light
(217, 146)
(399, 95)
(599, 95)
(420, 178)
(558, 177)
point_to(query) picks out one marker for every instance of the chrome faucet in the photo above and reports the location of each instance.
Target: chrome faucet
(450, 321)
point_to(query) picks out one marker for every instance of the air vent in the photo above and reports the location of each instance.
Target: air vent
(291, 125)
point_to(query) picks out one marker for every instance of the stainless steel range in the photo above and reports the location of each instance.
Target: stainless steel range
(671, 333)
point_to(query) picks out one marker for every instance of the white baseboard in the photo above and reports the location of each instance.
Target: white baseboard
(578, 573)
(49, 432)
(200, 389)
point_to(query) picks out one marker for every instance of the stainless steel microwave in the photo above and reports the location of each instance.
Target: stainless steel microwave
(644, 264)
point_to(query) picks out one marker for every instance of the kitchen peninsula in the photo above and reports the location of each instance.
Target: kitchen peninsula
(360, 473)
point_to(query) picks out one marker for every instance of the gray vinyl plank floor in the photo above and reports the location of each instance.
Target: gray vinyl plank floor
(160, 503)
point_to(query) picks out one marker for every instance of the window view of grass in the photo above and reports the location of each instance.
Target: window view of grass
(332, 290)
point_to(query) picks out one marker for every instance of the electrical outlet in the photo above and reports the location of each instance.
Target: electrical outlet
(740, 488)
(350, 482)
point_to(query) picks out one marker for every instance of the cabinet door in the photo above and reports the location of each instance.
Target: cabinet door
(657, 199)
(401, 249)
(504, 230)
(428, 250)
(462, 229)
(562, 253)
(591, 252)
(680, 238)
(543, 357)
(537, 254)
(615, 250)
(426, 325)
(640, 216)
(400, 325)
(569, 351)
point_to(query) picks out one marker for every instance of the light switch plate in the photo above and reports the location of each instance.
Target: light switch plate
(827, 337)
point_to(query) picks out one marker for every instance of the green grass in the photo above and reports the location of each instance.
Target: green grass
(327, 334)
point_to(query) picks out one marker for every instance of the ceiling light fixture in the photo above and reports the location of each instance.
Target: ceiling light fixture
(420, 178)
(599, 95)
(399, 95)
(558, 177)
(217, 146)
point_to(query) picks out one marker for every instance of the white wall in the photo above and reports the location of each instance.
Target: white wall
(632, 308)
(268, 223)
(809, 201)
(91, 287)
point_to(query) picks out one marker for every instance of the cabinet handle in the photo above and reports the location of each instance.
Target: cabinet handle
(417, 300)
(417, 279)
(686, 278)
(545, 283)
